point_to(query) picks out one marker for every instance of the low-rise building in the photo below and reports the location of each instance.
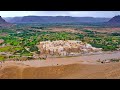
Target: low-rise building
(64, 48)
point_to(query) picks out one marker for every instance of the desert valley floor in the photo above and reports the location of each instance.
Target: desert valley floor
(63, 68)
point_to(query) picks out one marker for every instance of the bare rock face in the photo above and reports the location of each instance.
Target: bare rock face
(3, 23)
(115, 20)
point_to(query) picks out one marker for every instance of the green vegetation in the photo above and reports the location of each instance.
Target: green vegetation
(2, 58)
(52, 36)
(33, 48)
(108, 42)
(114, 60)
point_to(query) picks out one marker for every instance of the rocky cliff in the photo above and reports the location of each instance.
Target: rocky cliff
(3, 23)
(54, 19)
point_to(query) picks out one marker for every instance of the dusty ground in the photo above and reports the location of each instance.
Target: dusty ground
(56, 29)
(104, 30)
(68, 71)
(82, 67)
(74, 30)
(81, 30)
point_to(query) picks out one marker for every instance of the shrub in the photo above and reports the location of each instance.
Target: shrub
(33, 48)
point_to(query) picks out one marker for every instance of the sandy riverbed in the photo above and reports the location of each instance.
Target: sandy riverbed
(81, 67)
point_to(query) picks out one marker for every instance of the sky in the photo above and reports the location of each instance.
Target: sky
(108, 14)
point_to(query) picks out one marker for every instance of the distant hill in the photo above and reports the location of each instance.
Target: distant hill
(13, 19)
(3, 23)
(115, 20)
(54, 19)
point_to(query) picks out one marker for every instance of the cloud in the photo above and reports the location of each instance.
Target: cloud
(60, 13)
(79, 13)
(53, 13)
(16, 13)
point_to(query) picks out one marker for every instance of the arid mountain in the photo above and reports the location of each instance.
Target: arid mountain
(115, 20)
(54, 19)
(13, 19)
(3, 23)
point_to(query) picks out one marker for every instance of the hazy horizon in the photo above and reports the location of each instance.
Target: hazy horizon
(101, 14)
